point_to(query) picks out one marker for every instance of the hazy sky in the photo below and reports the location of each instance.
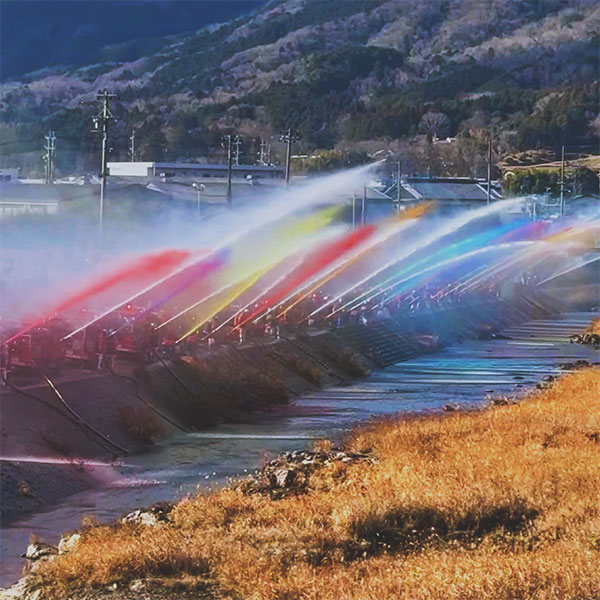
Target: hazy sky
(41, 33)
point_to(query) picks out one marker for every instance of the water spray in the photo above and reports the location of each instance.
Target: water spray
(443, 231)
(313, 264)
(451, 261)
(571, 269)
(238, 289)
(254, 300)
(149, 265)
(455, 249)
(292, 232)
(316, 193)
(388, 229)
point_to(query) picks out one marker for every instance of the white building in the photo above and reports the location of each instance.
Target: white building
(191, 170)
(9, 174)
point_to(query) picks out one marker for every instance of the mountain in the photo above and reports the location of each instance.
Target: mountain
(42, 33)
(350, 76)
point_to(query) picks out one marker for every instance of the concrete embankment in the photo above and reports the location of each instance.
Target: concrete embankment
(107, 416)
(53, 432)
(407, 503)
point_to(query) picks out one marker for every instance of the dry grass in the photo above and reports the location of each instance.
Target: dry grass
(223, 387)
(498, 504)
(141, 424)
(594, 327)
(304, 369)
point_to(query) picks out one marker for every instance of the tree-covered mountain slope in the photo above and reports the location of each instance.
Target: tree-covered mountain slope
(346, 74)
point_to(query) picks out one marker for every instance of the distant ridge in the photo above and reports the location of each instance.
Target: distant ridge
(356, 75)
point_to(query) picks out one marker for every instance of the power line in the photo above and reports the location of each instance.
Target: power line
(101, 122)
(236, 155)
(227, 144)
(288, 136)
(48, 157)
(132, 146)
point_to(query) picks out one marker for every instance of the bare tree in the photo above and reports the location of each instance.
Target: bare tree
(435, 124)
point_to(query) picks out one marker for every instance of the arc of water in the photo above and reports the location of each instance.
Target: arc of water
(476, 240)
(240, 288)
(293, 232)
(389, 228)
(570, 269)
(559, 239)
(253, 301)
(277, 211)
(456, 259)
(448, 228)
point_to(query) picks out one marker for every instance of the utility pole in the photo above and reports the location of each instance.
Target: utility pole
(398, 180)
(236, 156)
(288, 136)
(227, 144)
(398, 186)
(562, 182)
(265, 153)
(363, 208)
(101, 122)
(132, 146)
(489, 171)
(199, 187)
(48, 157)
(255, 160)
(353, 211)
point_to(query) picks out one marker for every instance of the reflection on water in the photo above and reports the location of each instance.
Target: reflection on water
(180, 466)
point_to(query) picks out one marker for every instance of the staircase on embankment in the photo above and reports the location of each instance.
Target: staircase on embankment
(390, 341)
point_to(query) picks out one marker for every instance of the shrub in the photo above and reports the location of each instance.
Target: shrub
(141, 424)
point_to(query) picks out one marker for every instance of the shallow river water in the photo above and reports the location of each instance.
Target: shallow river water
(464, 374)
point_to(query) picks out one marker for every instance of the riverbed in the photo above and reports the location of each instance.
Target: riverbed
(466, 374)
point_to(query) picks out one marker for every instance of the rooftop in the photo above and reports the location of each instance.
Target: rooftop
(448, 188)
(199, 166)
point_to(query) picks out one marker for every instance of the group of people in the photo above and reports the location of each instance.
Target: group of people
(41, 348)
(134, 330)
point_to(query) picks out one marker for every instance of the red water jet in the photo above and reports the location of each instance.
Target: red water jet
(151, 265)
(315, 262)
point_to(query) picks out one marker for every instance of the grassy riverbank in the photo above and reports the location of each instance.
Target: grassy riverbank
(501, 503)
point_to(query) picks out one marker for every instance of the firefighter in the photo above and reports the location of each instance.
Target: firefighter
(101, 348)
(4, 364)
(110, 348)
(90, 345)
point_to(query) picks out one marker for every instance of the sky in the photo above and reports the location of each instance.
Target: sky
(35, 34)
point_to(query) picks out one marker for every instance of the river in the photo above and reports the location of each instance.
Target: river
(464, 374)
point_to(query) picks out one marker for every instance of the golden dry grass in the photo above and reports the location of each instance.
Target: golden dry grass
(594, 327)
(140, 423)
(498, 504)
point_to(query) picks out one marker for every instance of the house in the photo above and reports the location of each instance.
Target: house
(450, 191)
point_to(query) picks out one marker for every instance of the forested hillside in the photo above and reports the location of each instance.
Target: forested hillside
(350, 76)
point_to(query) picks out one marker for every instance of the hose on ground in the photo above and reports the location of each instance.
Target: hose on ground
(144, 401)
(59, 412)
(81, 420)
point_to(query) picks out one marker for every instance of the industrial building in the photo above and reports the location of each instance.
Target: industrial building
(165, 170)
